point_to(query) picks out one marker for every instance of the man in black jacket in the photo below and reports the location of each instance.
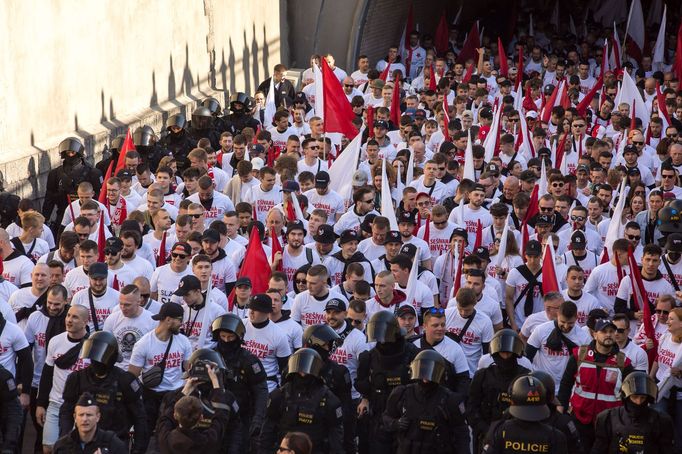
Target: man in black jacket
(283, 88)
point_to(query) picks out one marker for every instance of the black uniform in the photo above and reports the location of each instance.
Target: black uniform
(211, 134)
(104, 440)
(304, 404)
(337, 378)
(152, 155)
(283, 90)
(567, 426)
(179, 145)
(64, 181)
(11, 414)
(514, 436)
(643, 431)
(489, 397)
(239, 120)
(435, 423)
(378, 374)
(245, 378)
(119, 396)
(209, 433)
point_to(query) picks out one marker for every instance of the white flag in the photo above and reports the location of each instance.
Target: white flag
(658, 60)
(270, 106)
(629, 94)
(342, 170)
(469, 171)
(387, 209)
(616, 227)
(635, 27)
(319, 91)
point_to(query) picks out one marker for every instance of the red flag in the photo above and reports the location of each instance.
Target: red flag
(524, 237)
(432, 79)
(458, 274)
(470, 46)
(255, 266)
(619, 267)
(467, 75)
(291, 213)
(528, 103)
(161, 257)
(276, 247)
(560, 152)
(415, 230)
(604, 256)
(395, 102)
(641, 300)
(550, 282)
(116, 285)
(519, 69)
(128, 145)
(100, 238)
(409, 26)
(73, 216)
(442, 38)
(587, 100)
(504, 66)
(633, 120)
(103, 191)
(662, 108)
(370, 121)
(677, 65)
(384, 74)
(427, 230)
(479, 234)
(534, 207)
(2, 266)
(338, 114)
(547, 108)
(446, 118)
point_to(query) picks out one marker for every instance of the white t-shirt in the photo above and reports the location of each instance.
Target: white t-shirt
(267, 344)
(437, 191)
(36, 248)
(603, 284)
(637, 356)
(68, 266)
(263, 201)
(223, 272)
(487, 360)
(533, 321)
(165, 281)
(479, 332)
(669, 353)
(128, 331)
(124, 275)
(423, 297)
(140, 266)
(309, 310)
(221, 204)
(20, 299)
(13, 230)
(197, 324)
(468, 218)
(348, 353)
(451, 351)
(18, 270)
(519, 283)
(149, 352)
(103, 305)
(370, 249)
(12, 340)
(554, 363)
(59, 345)
(585, 304)
(439, 239)
(35, 334)
(293, 331)
(290, 263)
(76, 280)
(318, 166)
(331, 202)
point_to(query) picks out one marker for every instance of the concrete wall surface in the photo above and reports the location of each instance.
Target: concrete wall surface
(90, 68)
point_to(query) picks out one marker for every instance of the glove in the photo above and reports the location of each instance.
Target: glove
(254, 430)
(403, 424)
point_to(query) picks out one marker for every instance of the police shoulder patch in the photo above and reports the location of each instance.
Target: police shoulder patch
(256, 368)
(11, 385)
(339, 413)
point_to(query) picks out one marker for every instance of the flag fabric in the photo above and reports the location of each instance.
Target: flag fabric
(542, 183)
(604, 59)
(298, 212)
(319, 91)
(255, 266)
(616, 227)
(276, 247)
(432, 79)
(128, 145)
(291, 214)
(642, 303)
(504, 66)
(103, 191)
(387, 209)
(161, 256)
(469, 169)
(654, 13)
(502, 250)
(442, 37)
(405, 40)
(342, 170)
(338, 114)
(395, 103)
(370, 121)
(100, 238)
(457, 282)
(658, 57)
(427, 231)
(635, 31)
(384, 74)
(629, 94)
(677, 65)
(68, 200)
(270, 106)
(116, 285)
(559, 162)
(547, 108)
(492, 139)
(469, 72)
(479, 234)
(662, 108)
(411, 290)
(446, 119)
(614, 57)
(519, 69)
(533, 207)
(550, 281)
(587, 100)
(470, 46)
(409, 173)
(633, 117)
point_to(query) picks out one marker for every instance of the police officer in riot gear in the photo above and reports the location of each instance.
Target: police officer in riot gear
(213, 106)
(488, 393)
(64, 180)
(380, 370)
(177, 141)
(525, 432)
(145, 144)
(304, 404)
(240, 117)
(204, 380)
(425, 414)
(560, 421)
(114, 149)
(635, 427)
(202, 126)
(669, 221)
(11, 414)
(244, 377)
(117, 392)
(324, 340)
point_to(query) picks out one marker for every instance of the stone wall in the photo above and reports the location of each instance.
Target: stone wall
(92, 68)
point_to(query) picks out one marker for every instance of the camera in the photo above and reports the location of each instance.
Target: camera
(200, 370)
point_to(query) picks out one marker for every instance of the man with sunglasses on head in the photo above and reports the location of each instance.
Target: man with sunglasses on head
(166, 278)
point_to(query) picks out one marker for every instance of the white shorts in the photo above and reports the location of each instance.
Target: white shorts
(51, 428)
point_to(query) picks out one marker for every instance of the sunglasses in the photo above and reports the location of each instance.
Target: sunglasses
(315, 147)
(111, 252)
(557, 185)
(300, 281)
(577, 218)
(578, 126)
(513, 120)
(547, 209)
(620, 330)
(145, 295)
(348, 85)
(195, 216)
(662, 312)
(662, 176)
(637, 143)
(175, 255)
(356, 322)
(633, 237)
(436, 311)
(83, 235)
(670, 136)
(368, 201)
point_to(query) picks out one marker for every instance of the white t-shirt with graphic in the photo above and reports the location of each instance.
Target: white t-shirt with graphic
(149, 352)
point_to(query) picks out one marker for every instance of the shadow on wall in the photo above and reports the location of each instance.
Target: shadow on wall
(253, 54)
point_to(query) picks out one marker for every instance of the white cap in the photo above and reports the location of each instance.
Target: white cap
(257, 163)
(532, 114)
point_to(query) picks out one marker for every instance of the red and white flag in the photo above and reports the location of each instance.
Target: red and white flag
(634, 39)
(550, 280)
(658, 57)
(338, 114)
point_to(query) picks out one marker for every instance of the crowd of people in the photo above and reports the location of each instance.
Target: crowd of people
(500, 273)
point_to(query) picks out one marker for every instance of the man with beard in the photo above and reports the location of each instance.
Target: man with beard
(166, 278)
(244, 377)
(118, 393)
(595, 370)
(200, 311)
(66, 253)
(41, 327)
(337, 262)
(215, 203)
(671, 263)
(122, 273)
(98, 298)
(223, 273)
(131, 240)
(159, 358)
(294, 254)
(488, 393)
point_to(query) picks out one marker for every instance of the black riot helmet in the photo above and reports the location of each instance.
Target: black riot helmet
(178, 120)
(101, 347)
(243, 99)
(506, 340)
(321, 338)
(428, 365)
(528, 399)
(383, 328)
(669, 220)
(639, 383)
(117, 142)
(230, 323)
(201, 118)
(305, 361)
(206, 355)
(548, 382)
(71, 144)
(213, 105)
(143, 136)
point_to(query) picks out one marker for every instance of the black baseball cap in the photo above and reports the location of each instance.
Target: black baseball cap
(124, 174)
(261, 303)
(210, 236)
(366, 225)
(409, 250)
(172, 310)
(674, 242)
(406, 216)
(460, 232)
(290, 186)
(404, 310)
(322, 179)
(348, 236)
(544, 219)
(482, 252)
(113, 244)
(393, 237)
(243, 281)
(533, 248)
(186, 248)
(325, 234)
(98, 270)
(187, 284)
(380, 124)
(296, 225)
(335, 304)
(603, 323)
(578, 240)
